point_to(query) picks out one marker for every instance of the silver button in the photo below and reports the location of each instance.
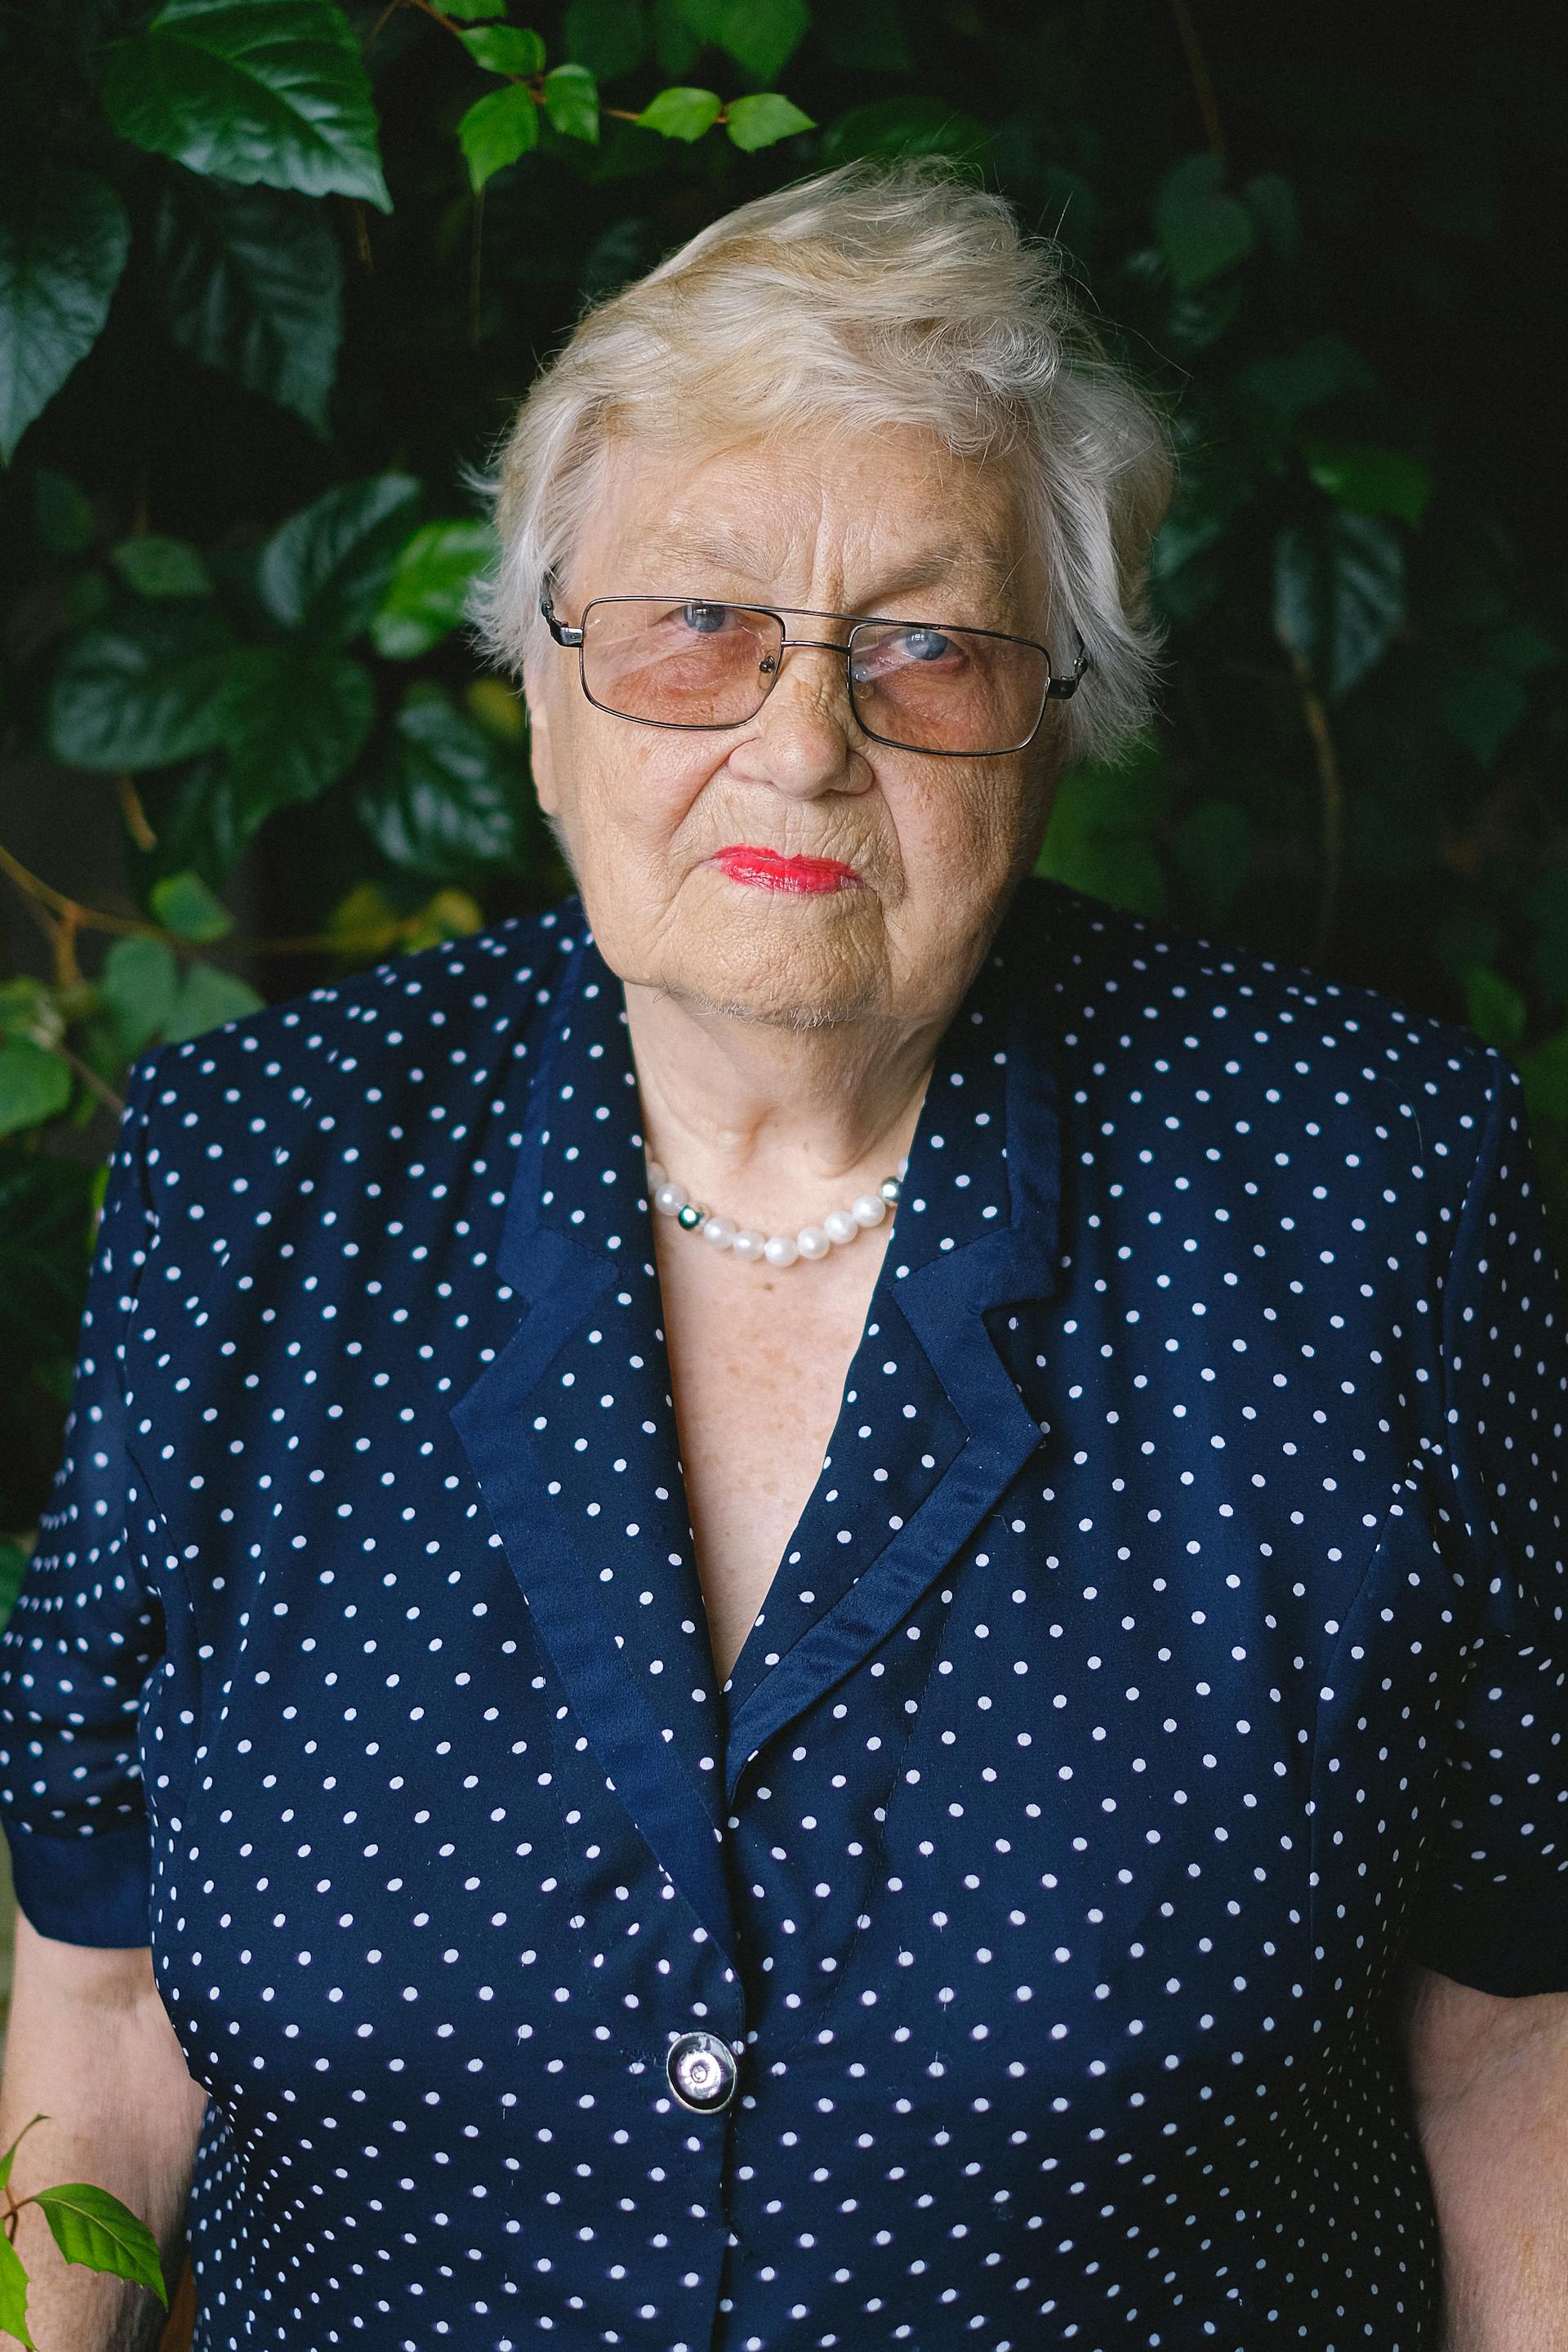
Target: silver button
(701, 2071)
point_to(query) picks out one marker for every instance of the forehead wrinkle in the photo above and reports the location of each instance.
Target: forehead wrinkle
(732, 558)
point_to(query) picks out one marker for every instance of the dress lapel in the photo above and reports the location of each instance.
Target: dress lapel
(928, 1398)
(572, 1430)
(571, 1433)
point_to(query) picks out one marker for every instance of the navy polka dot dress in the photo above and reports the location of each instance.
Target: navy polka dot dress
(1006, 1955)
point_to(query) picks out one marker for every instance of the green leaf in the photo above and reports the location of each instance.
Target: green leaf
(706, 18)
(1482, 707)
(1544, 1070)
(1202, 231)
(146, 690)
(208, 996)
(1369, 479)
(62, 250)
(366, 923)
(469, 12)
(62, 513)
(572, 103)
(908, 126)
(869, 38)
(608, 37)
(1493, 1007)
(427, 594)
(764, 119)
(1339, 596)
(30, 1008)
(1520, 649)
(681, 113)
(1213, 848)
(137, 986)
(95, 2229)
(12, 1569)
(1276, 214)
(495, 130)
(499, 708)
(162, 567)
(449, 915)
(1326, 368)
(761, 36)
(14, 2286)
(506, 49)
(297, 718)
(248, 280)
(35, 1085)
(198, 820)
(452, 804)
(1546, 907)
(674, 45)
(251, 90)
(1100, 835)
(327, 568)
(183, 904)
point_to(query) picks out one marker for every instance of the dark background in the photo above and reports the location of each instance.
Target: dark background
(1359, 762)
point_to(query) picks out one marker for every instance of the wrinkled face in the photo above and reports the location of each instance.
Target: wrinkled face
(788, 868)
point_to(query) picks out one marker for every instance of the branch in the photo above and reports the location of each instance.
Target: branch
(1198, 67)
(40, 893)
(1331, 785)
(533, 83)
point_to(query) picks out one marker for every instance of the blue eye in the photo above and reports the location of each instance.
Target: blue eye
(925, 645)
(706, 619)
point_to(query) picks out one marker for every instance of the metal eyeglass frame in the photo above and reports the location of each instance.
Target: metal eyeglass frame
(1058, 689)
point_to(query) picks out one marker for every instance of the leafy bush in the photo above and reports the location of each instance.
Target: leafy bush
(271, 275)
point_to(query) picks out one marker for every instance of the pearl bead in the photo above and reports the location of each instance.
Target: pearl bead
(781, 1250)
(720, 1231)
(868, 1209)
(748, 1245)
(890, 1187)
(813, 1242)
(840, 1225)
(670, 1199)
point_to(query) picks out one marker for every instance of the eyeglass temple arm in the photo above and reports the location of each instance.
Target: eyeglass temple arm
(559, 630)
(1059, 689)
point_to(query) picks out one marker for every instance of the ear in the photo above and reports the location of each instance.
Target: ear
(541, 761)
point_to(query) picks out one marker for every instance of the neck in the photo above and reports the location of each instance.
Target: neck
(763, 1122)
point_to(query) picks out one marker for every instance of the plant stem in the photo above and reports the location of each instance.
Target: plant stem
(41, 894)
(94, 1084)
(135, 815)
(1202, 85)
(1331, 786)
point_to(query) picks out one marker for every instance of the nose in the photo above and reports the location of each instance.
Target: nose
(806, 741)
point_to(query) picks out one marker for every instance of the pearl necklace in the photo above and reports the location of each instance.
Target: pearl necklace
(812, 1242)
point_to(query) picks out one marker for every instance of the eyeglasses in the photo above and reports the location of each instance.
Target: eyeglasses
(918, 686)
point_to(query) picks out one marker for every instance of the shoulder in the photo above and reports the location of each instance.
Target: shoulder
(372, 1051)
(1125, 989)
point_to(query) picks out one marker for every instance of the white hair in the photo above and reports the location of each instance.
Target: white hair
(877, 294)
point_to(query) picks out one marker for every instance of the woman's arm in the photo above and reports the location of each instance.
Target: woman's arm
(89, 2046)
(1490, 2080)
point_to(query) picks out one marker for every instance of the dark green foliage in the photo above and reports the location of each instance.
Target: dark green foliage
(240, 396)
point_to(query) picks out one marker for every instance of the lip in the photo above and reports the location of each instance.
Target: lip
(767, 869)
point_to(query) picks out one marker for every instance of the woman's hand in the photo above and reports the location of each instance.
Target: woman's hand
(89, 2046)
(1490, 2081)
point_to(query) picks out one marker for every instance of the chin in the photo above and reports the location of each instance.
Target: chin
(795, 991)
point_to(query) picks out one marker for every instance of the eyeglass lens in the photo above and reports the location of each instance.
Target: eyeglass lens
(712, 665)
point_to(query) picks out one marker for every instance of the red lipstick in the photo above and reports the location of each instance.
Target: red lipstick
(766, 869)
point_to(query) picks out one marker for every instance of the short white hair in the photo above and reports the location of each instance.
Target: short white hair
(880, 293)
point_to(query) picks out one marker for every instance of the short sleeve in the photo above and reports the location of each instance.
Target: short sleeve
(84, 1633)
(1492, 1906)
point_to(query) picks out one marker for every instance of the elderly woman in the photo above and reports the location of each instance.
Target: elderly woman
(821, 1603)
